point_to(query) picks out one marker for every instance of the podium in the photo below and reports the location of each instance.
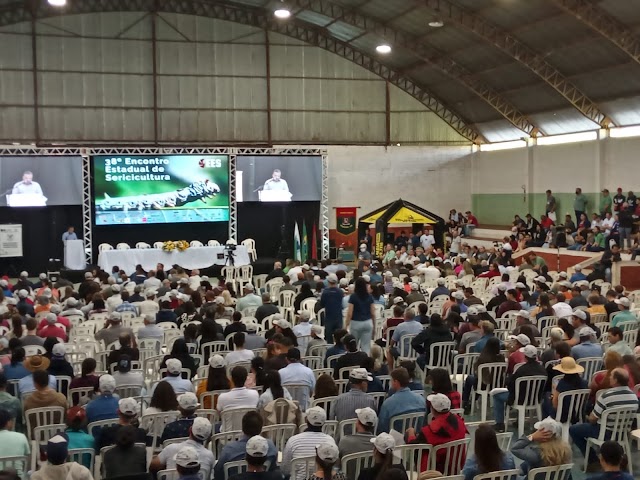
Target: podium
(26, 200)
(74, 258)
(274, 196)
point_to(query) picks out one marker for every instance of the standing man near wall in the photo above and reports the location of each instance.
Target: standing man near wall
(579, 204)
(618, 200)
(605, 203)
(550, 208)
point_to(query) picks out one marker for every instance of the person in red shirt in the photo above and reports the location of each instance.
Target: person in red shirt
(516, 356)
(52, 329)
(56, 309)
(444, 427)
(493, 271)
(546, 222)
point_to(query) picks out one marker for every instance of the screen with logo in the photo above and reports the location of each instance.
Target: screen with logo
(40, 181)
(147, 189)
(275, 178)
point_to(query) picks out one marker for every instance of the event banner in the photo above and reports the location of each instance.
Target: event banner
(346, 226)
(148, 189)
(11, 240)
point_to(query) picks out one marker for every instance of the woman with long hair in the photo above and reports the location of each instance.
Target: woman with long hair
(163, 399)
(361, 315)
(180, 351)
(633, 368)
(544, 307)
(325, 387)
(489, 354)
(441, 383)
(601, 380)
(569, 378)
(383, 446)
(327, 455)
(377, 293)
(273, 389)
(216, 379)
(567, 328)
(543, 448)
(16, 370)
(487, 456)
(17, 329)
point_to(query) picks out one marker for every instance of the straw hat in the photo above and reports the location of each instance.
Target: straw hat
(36, 362)
(568, 366)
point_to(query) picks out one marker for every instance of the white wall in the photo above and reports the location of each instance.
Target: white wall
(435, 178)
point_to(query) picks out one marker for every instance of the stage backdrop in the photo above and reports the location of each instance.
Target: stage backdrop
(346, 222)
(272, 225)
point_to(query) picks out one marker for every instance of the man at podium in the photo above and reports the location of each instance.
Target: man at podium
(70, 234)
(276, 183)
(27, 186)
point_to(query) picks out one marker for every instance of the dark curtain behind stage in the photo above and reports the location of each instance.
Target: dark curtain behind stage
(263, 222)
(42, 230)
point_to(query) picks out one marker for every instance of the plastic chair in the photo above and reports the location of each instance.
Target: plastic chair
(196, 244)
(591, 365)
(103, 247)
(142, 245)
(299, 392)
(499, 475)
(154, 424)
(455, 454)
(576, 400)
(123, 246)
(314, 363)
(555, 472)
(250, 244)
(79, 455)
(326, 404)
(41, 435)
(62, 384)
(234, 468)
(80, 395)
(101, 424)
(439, 357)
(302, 467)
(232, 418)
(407, 420)
(168, 474)
(38, 417)
(497, 374)
(411, 457)
(219, 440)
(20, 463)
(31, 350)
(352, 464)
(462, 367)
(279, 434)
(527, 398)
(617, 421)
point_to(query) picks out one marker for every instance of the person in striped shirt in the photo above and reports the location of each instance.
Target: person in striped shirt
(347, 403)
(619, 395)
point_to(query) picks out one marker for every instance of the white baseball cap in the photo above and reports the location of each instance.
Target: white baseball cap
(529, 351)
(42, 276)
(520, 285)
(72, 302)
(58, 350)
(439, 402)
(332, 278)
(201, 428)
(360, 374)
(458, 295)
(383, 443)
(414, 286)
(188, 401)
(318, 331)
(578, 268)
(219, 300)
(441, 281)
(115, 288)
(524, 313)
(55, 309)
(502, 287)
(107, 383)
(624, 301)
(367, 416)
(282, 323)
(187, 457)
(549, 425)
(250, 287)
(216, 361)
(51, 318)
(257, 446)
(174, 365)
(328, 452)
(128, 407)
(88, 275)
(316, 416)
(305, 315)
(522, 339)
(540, 279)
(24, 273)
(251, 326)
(23, 293)
(388, 274)
(587, 332)
(562, 274)
(581, 314)
(398, 300)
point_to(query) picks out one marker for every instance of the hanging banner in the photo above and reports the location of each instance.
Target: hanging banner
(10, 240)
(346, 220)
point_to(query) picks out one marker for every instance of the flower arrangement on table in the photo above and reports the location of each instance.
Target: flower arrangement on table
(171, 245)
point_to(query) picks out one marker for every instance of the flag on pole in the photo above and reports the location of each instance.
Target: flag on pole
(296, 243)
(314, 245)
(305, 242)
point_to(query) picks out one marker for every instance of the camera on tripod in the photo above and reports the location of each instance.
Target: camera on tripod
(230, 248)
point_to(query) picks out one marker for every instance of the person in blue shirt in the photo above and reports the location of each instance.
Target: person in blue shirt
(578, 276)
(338, 347)
(613, 461)
(70, 234)
(331, 301)
(487, 456)
(440, 290)
(410, 326)
(16, 370)
(105, 405)
(586, 348)
(77, 432)
(251, 425)
(403, 401)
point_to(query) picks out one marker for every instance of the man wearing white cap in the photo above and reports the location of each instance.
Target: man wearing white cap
(187, 463)
(256, 454)
(440, 289)
(530, 368)
(356, 398)
(187, 406)
(524, 318)
(150, 329)
(252, 340)
(516, 354)
(317, 339)
(113, 330)
(625, 315)
(150, 305)
(174, 377)
(304, 444)
(360, 441)
(415, 295)
(561, 307)
(128, 413)
(105, 405)
(578, 275)
(266, 309)
(199, 434)
(71, 308)
(115, 299)
(587, 347)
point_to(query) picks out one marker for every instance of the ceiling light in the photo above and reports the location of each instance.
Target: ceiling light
(282, 10)
(383, 49)
(58, 3)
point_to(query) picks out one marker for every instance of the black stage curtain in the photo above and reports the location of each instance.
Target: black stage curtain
(271, 225)
(42, 230)
(133, 234)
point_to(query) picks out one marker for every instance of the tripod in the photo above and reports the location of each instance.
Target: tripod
(228, 258)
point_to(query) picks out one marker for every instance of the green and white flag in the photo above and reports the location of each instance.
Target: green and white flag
(297, 254)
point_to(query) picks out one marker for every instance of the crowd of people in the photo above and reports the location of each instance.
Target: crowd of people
(330, 344)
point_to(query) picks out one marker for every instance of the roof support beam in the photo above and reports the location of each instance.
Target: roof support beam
(603, 23)
(512, 46)
(311, 35)
(401, 39)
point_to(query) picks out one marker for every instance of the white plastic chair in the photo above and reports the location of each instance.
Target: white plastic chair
(527, 398)
(407, 420)
(31, 350)
(38, 417)
(213, 243)
(232, 418)
(439, 357)
(617, 421)
(455, 454)
(326, 404)
(279, 434)
(302, 467)
(555, 472)
(154, 424)
(250, 244)
(196, 243)
(103, 247)
(576, 400)
(462, 368)
(411, 457)
(497, 374)
(123, 246)
(219, 440)
(142, 245)
(158, 245)
(591, 365)
(499, 475)
(353, 463)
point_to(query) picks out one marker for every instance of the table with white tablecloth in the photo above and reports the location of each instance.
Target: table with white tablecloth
(192, 257)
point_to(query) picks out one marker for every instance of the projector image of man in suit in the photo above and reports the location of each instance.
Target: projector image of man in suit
(27, 185)
(276, 183)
